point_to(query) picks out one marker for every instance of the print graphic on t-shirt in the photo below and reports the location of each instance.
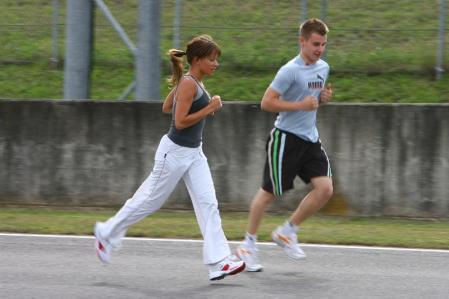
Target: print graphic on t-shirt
(316, 84)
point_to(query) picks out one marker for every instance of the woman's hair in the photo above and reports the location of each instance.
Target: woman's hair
(313, 26)
(199, 47)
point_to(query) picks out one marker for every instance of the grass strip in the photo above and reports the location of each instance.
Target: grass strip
(395, 232)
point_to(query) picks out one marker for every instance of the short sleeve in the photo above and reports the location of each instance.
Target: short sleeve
(283, 80)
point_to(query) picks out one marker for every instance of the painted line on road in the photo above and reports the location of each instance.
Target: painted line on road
(236, 242)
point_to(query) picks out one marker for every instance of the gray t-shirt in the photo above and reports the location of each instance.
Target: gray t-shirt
(293, 82)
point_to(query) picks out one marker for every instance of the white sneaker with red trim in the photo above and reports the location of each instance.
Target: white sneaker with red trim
(289, 243)
(102, 247)
(229, 266)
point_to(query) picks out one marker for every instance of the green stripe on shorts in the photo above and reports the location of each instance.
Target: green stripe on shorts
(274, 161)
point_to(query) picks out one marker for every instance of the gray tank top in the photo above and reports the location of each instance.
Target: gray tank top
(190, 136)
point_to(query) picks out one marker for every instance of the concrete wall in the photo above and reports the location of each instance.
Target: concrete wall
(386, 159)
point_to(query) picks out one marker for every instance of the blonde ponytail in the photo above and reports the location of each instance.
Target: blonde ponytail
(177, 65)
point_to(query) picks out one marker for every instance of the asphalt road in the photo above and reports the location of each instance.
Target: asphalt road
(33, 266)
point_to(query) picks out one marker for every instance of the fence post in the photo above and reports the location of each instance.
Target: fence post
(323, 13)
(303, 16)
(323, 16)
(177, 24)
(148, 60)
(439, 67)
(79, 40)
(54, 34)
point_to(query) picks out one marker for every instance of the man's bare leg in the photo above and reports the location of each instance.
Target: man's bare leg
(313, 201)
(262, 200)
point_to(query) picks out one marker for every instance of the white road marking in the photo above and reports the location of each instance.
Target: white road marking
(236, 242)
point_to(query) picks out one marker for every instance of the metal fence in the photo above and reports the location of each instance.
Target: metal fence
(366, 37)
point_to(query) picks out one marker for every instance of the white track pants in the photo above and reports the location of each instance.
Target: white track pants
(173, 162)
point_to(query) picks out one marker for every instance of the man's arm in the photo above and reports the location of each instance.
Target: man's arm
(272, 102)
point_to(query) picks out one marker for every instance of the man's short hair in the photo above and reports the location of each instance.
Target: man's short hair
(313, 26)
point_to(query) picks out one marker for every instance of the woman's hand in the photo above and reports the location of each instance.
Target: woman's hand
(215, 104)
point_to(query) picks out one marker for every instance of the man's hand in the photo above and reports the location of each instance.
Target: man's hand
(326, 94)
(309, 103)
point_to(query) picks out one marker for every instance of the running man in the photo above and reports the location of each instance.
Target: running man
(293, 146)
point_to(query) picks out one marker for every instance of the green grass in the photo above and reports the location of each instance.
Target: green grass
(182, 224)
(391, 60)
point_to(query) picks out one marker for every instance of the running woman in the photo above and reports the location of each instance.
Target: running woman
(293, 146)
(180, 156)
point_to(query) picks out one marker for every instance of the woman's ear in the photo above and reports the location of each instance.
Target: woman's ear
(195, 60)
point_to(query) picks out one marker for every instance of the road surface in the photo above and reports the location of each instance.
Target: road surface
(40, 266)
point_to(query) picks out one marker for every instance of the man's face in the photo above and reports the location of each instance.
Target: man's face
(313, 47)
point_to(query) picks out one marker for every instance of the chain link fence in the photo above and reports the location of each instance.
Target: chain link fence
(367, 37)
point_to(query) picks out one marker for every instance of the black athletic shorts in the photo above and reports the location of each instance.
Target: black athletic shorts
(289, 156)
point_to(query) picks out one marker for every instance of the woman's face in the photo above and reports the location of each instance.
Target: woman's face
(208, 64)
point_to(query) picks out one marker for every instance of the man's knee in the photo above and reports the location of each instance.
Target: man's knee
(324, 188)
(264, 197)
(327, 191)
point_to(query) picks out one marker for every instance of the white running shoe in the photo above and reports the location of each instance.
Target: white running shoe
(248, 254)
(229, 266)
(102, 247)
(289, 243)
